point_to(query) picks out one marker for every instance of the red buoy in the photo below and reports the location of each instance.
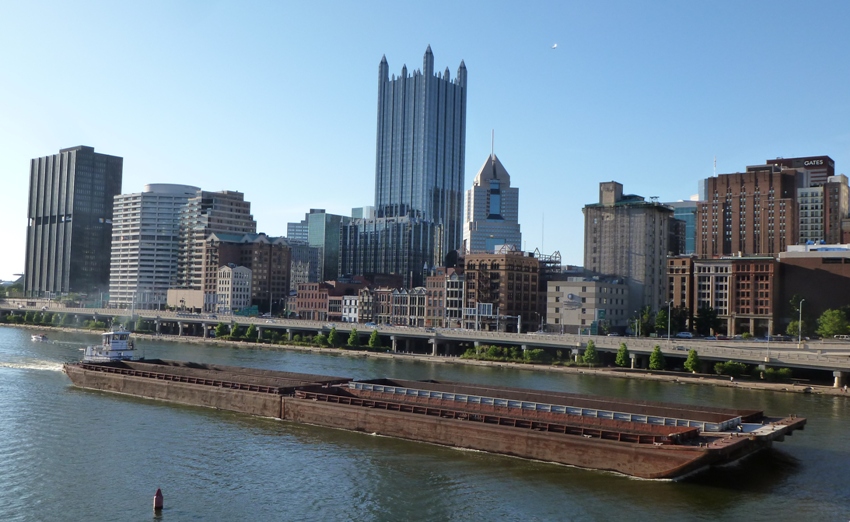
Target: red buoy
(157, 500)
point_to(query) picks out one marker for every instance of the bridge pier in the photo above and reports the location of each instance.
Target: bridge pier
(259, 333)
(289, 334)
(206, 330)
(180, 328)
(632, 357)
(433, 343)
(576, 352)
(395, 343)
(157, 325)
(839, 379)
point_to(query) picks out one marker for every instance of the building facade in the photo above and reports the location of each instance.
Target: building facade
(627, 237)
(145, 245)
(750, 214)
(233, 289)
(420, 151)
(492, 210)
(69, 222)
(508, 283)
(590, 305)
(205, 213)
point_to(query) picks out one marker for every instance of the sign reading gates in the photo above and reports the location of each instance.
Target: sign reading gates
(813, 163)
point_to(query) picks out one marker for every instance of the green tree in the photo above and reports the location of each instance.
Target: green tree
(794, 328)
(251, 332)
(661, 323)
(221, 330)
(692, 363)
(679, 319)
(706, 320)
(656, 359)
(832, 323)
(140, 325)
(320, 340)
(353, 338)
(47, 318)
(374, 340)
(590, 356)
(333, 337)
(66, 319)
(622, 359)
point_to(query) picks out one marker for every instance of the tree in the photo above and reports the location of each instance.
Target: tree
(221, 330)
(590, 356)
(692, 363)
(679, 318)
(374, 340)
(661, 322)
(251, 332)
(832, 323)
(140, 325)
(320, 339)
(794, 328)
(622, 359)
(645, 318)
(353, 338)
(656, 359)
(333, 337)
(706, 320)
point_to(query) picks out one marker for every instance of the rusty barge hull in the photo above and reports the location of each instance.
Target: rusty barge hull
(635, 438)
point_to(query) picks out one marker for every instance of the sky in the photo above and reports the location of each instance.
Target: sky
(278, 99)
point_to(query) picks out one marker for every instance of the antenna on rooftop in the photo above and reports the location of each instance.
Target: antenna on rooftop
(715, 166)
(492, 141)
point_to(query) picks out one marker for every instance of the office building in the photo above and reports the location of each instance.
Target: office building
(748, 214)
(588, 305)
(815, 170)
(492, 210)
(628, 237)
(502, 291)
(69, 227)
(145, 244)
(686, 212)
(233, 288)
(323, 231)
(419, 172)
(206, 213)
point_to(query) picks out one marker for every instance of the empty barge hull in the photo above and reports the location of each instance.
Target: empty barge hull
(636, 438)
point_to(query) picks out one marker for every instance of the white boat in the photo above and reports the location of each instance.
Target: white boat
(115, 346)
(39, 337)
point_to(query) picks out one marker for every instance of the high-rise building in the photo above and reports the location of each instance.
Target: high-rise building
(502, 290)
(492, 210)
(752, 213)
(686, 212)
(205, 213)
(420, 154)
(628, 237)
(815, 169)
(323, 232)
(145, 244)
(69, 227)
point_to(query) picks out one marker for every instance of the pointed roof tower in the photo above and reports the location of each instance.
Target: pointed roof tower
(428, 62)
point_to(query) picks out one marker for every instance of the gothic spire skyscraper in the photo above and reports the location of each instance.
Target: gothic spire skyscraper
(421, 146)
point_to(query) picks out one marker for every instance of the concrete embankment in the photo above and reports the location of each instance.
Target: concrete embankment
(676, 377)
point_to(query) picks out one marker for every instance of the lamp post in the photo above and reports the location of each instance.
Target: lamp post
(669, 304)
(800, 323)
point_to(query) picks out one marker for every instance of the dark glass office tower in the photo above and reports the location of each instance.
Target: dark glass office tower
(69, 231)
(421, 147)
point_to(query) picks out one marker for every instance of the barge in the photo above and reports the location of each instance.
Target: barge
(642, 439)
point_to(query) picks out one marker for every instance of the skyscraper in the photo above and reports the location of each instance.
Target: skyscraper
(419, 171)
(492, 210)
(145, 243)
(69, 226)
(421, 147)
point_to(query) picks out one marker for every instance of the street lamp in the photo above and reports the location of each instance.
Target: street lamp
(669, 304)
(800, 323)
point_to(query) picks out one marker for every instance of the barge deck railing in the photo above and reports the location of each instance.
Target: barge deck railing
(726, 425)
(182, 378)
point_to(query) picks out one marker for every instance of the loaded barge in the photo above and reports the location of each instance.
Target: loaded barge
(642, 439)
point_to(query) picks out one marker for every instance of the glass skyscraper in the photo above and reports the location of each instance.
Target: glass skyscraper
(421, 148)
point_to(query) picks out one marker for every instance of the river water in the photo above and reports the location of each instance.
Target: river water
(75, 455)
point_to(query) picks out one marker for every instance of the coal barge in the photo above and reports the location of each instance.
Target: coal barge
(642, 439)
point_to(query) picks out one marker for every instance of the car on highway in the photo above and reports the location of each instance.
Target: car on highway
(370, 325)
(685, 335)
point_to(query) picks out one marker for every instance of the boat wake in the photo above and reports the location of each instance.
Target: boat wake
(50, 366)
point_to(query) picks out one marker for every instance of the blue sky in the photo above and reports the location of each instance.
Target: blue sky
(278, 99)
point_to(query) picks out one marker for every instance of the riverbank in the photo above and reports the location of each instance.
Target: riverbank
(622, 373)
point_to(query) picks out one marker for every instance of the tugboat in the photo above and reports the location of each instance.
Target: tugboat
(115, 346)
(39, 337)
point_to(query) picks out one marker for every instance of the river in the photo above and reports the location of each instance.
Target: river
(68, 454)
